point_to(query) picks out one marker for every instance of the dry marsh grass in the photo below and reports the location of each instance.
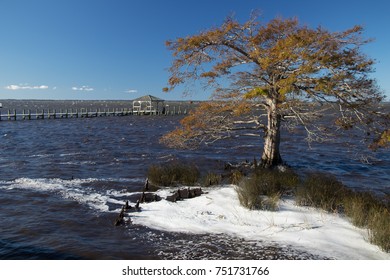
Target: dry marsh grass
(211, 179)
(379, 227)
(321, 191)
(172, 174)
(363, 209)
(358, 205)
(263, 189)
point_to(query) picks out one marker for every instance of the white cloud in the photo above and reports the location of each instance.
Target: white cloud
(25, 86)
(131, 91)
(83, 88)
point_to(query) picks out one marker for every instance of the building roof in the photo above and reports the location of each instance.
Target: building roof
(149, 98)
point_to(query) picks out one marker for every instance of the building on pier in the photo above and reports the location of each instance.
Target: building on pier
(148, 105)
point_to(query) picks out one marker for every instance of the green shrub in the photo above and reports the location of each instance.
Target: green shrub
(322, 191)
(171, 174)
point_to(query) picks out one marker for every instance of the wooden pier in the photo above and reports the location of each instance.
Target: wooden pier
(83, 113)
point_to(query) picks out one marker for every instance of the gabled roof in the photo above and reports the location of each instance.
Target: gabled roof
(149, 98)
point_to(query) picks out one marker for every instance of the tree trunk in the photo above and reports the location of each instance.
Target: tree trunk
(271, 155)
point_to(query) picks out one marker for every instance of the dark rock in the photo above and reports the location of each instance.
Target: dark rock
(194, 192)
(191, 193)
(174, 197)
(197, 191)
(184, 193)
(149, 197)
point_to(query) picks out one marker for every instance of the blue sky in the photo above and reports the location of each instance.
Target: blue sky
(115, 49)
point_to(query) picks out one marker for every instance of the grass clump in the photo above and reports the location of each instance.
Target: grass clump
(379, 227)
(367, 211)
(172, 174)
(263, 189)
(358, 206)
(274, 181)
(362, 208)
(271, 202)
(235, 177)
(321, 191)
(212, 179)
(249, 194)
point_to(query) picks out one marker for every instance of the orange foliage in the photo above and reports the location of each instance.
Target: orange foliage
(382, 141)
(281, 66)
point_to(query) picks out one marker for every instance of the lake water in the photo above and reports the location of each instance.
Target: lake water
(64, 181)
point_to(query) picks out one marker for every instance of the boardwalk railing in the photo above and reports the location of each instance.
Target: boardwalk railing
(82, 113)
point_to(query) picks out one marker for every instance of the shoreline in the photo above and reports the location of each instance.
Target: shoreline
(302, 229)
(272, 192)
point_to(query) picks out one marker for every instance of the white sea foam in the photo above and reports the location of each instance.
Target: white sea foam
(41, 156)
(93, 200)
(68, 189)
(86, 162)
(219, 211)
(45, 185)
(70, 154)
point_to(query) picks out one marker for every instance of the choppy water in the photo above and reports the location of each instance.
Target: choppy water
(63, 182)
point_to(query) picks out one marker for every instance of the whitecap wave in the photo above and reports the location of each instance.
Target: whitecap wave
(80, 190)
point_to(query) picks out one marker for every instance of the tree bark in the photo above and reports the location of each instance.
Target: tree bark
(271, 153)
